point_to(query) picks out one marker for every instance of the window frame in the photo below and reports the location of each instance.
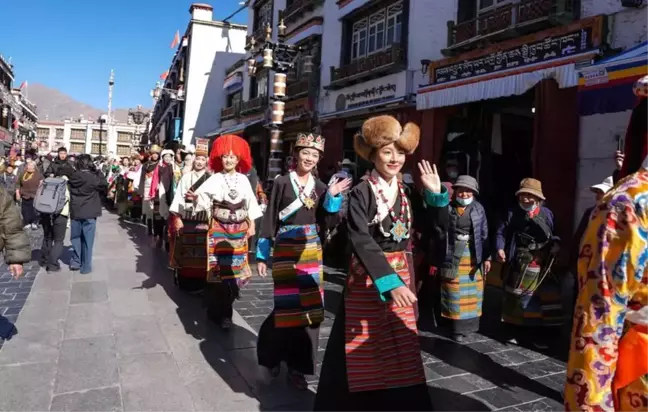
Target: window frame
(374, 21)
(73, 144)
(496, 4)
(45, 130)
(80, 131)
(375, 28)
(263, 15)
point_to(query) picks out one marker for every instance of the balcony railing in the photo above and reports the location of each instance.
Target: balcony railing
(300, 7)
(258, 104)
(507, 20)
(260, 33)
(377, 64)
(230, 112)
(298, 88)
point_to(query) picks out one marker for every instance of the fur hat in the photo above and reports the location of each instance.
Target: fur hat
(380, 131)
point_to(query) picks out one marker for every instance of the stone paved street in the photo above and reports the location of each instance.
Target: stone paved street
(14, 292)
(124, 338)
(481, 374)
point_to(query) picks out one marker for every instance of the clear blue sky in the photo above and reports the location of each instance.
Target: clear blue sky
(71, 45)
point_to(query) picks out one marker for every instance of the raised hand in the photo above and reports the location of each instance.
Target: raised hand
(339, 186)
(429, 176)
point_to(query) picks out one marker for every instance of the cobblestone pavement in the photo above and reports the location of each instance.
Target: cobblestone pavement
(482, 373)
(124, 338)
(14, 293)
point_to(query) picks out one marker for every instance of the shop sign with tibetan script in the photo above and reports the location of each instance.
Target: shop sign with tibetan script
(539, 51)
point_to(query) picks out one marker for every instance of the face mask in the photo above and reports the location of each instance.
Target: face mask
(528, 208)
(453, 175)
(465, 202)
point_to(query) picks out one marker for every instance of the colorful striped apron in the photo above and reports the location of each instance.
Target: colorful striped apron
(227, 250)
(382, 345)
(187, 252)
(297, 273)
(462, 286)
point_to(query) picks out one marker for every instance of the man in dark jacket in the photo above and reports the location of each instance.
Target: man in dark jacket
(61, 166)
(13, 239)
(86, 184)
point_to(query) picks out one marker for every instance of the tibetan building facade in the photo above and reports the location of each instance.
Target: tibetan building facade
(503, 102)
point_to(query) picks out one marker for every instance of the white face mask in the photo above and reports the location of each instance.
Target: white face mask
(529, 208)
(465, 202)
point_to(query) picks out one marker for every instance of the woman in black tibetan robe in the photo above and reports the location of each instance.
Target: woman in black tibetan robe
(299, 206)
(373, 359)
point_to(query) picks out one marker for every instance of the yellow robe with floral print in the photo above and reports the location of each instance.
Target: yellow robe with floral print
(612, 307)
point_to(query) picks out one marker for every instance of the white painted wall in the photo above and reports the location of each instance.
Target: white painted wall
(428, 34)
(211, 50)
(598, 133)
(627, 25)
(596, 152)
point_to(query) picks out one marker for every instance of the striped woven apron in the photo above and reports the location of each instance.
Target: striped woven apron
(297, 273)
(382, 345)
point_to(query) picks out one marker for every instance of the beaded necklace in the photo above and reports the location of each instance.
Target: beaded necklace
(401, 224)
(309, 200)
(232, 193)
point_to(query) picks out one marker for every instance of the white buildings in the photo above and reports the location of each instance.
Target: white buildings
(82, 136)
(492, 82)
(191, 96)
(360, 57)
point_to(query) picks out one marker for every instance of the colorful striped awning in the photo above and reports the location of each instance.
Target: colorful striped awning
(606, 86)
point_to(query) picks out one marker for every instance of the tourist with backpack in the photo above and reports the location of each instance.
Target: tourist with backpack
(86, 186)
(52, 202)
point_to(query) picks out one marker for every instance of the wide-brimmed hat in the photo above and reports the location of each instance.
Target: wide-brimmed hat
(468, 182)
(532, 187)
(347, 162)
(167, 152)
(604, 186)
(155, 149)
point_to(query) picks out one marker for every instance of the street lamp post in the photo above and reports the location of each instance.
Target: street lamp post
(280, 58)
(102, 120)
(138, 117)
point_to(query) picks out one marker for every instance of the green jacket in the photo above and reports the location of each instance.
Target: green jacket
(13, 239)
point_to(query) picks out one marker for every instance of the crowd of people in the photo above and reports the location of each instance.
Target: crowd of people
(207, 208)
(24, 180)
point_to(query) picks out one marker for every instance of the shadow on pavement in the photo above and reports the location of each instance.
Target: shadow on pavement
(7, 329)
(232, 354)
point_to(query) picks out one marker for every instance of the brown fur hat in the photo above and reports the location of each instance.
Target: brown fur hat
(380, 131)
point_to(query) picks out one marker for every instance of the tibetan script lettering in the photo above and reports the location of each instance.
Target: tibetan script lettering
(545, 50)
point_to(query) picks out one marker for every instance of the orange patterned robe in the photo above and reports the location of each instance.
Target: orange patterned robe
(608, 361)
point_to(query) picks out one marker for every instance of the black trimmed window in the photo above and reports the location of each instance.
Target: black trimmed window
(377, 32)
(263, 15)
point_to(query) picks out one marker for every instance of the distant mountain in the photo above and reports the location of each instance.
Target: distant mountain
(55, 105)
